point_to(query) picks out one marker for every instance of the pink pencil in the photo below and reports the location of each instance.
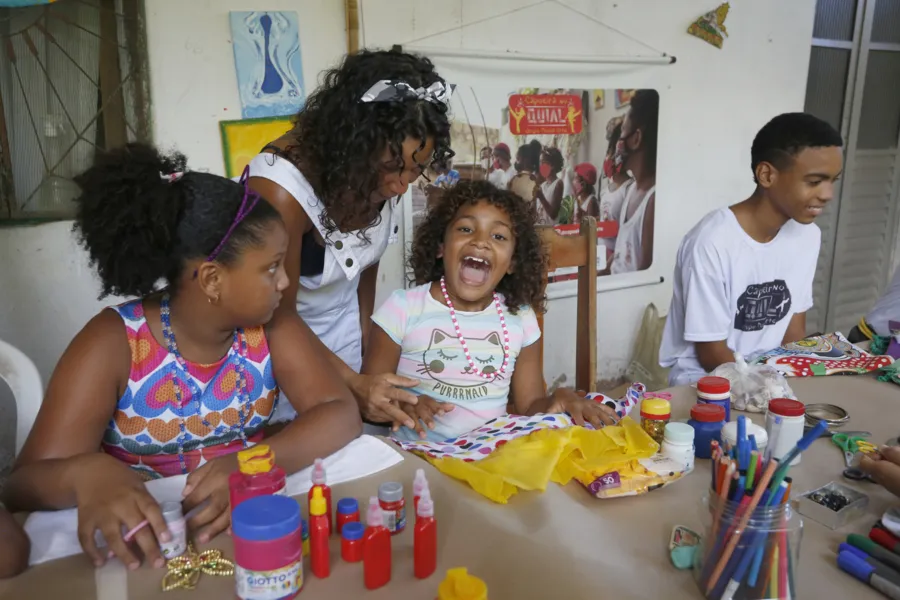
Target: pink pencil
(733, 542)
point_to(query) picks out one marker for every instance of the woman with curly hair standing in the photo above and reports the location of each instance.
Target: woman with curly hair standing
(374, 125)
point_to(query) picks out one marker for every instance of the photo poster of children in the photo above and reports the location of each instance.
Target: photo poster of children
(571, 152)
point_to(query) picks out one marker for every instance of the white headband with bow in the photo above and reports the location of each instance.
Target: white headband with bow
(388, 90)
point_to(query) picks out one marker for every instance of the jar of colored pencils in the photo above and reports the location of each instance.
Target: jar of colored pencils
(749, 556)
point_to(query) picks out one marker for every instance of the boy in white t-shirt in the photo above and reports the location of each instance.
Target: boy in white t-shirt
(744, 274)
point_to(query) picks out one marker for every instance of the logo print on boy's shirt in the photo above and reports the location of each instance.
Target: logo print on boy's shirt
(445, 362)
(762, 304)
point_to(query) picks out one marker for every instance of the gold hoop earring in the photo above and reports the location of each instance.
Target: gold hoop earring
(213, 301)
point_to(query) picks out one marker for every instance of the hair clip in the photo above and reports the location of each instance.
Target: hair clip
(171, 177)
(387, 90)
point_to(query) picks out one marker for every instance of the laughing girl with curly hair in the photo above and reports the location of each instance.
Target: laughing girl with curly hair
(468, 331)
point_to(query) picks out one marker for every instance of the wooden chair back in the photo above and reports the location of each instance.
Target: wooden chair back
(577, 251)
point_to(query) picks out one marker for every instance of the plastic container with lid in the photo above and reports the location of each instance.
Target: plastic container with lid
(352, 541)
(729, 435)
(267, 547)
(715, 390)
(655, 413)
(392, 502)
(785, 435)
(257, 475)
(347, 512)
(707, 421)
(678, 444)
(459, 585)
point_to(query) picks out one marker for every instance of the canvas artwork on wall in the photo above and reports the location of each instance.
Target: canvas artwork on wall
(268, 62)
(243, 139)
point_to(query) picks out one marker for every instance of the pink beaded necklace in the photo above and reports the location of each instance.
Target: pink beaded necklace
(462, 340)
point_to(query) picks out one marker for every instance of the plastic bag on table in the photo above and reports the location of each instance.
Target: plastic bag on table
(752, 386)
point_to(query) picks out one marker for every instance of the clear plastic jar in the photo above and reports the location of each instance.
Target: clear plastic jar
(766, 553)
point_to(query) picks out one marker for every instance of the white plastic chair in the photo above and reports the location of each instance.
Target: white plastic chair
(24, 380)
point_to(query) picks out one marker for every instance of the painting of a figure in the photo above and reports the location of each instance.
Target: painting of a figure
(268, 62)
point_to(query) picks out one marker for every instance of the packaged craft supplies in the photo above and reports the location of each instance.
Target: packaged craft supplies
(513, 453)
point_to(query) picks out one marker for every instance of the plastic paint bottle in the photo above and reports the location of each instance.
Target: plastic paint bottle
(376, 548)
(319, 557)
(257, 475)
(268, 548)
(390, 497)
(352, 542)
(347, 512)
(318, 481)
(715, 390)
(171, 512)
(425, 538)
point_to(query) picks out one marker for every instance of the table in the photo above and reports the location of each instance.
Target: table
(560, 544)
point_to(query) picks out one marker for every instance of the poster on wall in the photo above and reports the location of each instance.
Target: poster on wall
(268, 62)
(244, 138)
(569, 152)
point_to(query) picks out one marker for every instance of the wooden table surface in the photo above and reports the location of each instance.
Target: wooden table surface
(561, 544)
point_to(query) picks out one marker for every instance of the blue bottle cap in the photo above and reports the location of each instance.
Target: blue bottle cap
(352, 531)
(853, 564)
(347, 506)
(265, 518)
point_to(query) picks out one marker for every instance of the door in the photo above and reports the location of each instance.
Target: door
(853, 80)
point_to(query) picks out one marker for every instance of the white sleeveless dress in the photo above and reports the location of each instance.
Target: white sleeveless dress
(328, 302)
(629, 250)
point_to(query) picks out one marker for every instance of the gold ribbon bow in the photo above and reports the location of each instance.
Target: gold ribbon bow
(184, 571)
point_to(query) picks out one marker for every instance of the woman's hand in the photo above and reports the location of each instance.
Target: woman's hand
(381, 396)
(209, 484)
(884, 467)
(112, 498)
(423, 412)
(581, 409)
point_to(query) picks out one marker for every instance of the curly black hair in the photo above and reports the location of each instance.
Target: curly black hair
(138, 228)
(786, 135)
(525, 285)
(554, 158)
(613, 139)
(529, 156)
(340, 140)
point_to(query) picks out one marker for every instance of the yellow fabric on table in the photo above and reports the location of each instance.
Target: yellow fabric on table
(559, 455)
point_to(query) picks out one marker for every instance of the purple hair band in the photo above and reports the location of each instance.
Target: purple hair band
(247, 203)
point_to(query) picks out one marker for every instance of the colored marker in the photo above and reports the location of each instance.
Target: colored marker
(882, 569)
(865, 572)
(874, 550)
(885, 539)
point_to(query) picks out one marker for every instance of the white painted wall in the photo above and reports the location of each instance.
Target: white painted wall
(712, 103)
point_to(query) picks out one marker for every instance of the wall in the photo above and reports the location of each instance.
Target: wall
(712, 103)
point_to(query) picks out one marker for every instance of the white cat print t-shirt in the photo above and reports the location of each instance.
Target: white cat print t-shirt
(431, 352)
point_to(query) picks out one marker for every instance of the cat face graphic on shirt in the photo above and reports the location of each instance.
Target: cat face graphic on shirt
(445, 362)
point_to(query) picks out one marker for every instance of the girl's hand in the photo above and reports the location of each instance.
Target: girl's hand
(583, 410)
(112, 498)
(423, 411)
(210, 483)
(381, 396)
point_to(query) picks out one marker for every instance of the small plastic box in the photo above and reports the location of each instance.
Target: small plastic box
(830, 518)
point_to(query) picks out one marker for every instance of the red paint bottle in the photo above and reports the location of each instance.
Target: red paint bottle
(257, 475)
(352, 542)
(347, 512)
(425, 538)
(320, 559)
(318, 481)
(393, 505)
(376, 548)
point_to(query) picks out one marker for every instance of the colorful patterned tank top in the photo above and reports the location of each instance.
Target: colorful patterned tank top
(144, 431)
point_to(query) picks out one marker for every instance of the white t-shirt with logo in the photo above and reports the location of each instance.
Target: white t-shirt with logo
(730, 287)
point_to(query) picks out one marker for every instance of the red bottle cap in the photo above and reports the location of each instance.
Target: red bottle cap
(713, 385)
(787, 408)
(708, 413)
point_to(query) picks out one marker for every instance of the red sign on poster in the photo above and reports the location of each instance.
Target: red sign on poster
(535, 114)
